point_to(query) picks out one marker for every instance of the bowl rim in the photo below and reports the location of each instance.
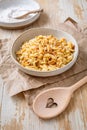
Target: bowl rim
(69, 65)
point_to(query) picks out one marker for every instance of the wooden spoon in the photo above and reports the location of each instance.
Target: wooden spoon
(52, 102)
(17, 14)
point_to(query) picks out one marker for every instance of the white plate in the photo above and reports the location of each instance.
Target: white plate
(31, 33)
(7, 6)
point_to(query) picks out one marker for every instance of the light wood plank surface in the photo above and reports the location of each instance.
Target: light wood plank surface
(15, 114)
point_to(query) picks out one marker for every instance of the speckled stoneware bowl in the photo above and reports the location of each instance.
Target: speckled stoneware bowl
(31, 33)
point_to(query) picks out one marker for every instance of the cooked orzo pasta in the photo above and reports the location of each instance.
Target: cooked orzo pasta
(45, 53)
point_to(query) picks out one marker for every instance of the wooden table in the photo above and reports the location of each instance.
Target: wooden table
(14, 111)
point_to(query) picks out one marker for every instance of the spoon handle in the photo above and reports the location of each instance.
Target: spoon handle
(30, 12)
(79, 84)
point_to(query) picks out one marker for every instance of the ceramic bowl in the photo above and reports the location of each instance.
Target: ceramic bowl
(31, 33)
(7, 7)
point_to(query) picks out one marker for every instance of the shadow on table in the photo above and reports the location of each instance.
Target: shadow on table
(40, 22)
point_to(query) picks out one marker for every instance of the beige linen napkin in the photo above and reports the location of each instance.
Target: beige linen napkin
(16, 81)
(31, 94)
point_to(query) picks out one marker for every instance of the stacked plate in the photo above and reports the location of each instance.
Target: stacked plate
(7, 7)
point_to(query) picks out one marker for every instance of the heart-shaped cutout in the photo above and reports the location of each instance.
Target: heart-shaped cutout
(51, 103)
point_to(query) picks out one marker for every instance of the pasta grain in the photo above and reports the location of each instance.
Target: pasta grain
(45, 53)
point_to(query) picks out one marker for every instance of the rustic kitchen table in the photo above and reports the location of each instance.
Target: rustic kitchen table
(14, 111)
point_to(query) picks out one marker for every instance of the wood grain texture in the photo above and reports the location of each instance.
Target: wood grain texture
(15, 114)
(76, 9)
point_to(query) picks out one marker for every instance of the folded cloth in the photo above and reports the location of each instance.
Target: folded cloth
(31, 94)
(16, 81)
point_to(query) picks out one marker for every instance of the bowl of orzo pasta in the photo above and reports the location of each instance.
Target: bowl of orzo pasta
(44, 52)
